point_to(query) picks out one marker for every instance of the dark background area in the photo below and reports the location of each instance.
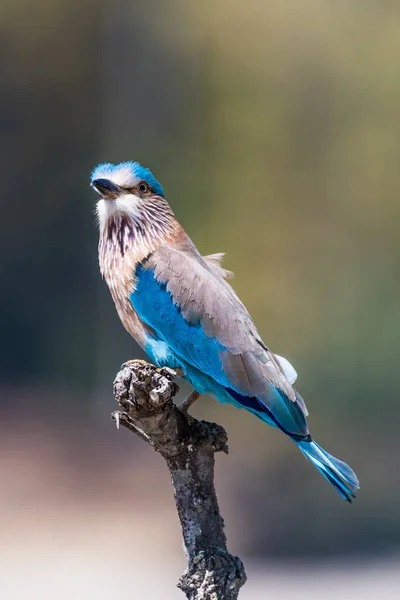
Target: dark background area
(274, 129)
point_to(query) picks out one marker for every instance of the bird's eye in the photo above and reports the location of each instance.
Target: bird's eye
(143, 187)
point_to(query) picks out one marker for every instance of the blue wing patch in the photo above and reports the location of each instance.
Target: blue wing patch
(155, 306)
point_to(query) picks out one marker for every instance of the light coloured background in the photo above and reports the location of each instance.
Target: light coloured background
(274, 128)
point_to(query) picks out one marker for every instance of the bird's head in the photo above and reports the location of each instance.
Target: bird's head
(131, 202)
(124, 188)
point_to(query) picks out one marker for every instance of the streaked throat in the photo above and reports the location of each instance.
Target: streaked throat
(138, 232)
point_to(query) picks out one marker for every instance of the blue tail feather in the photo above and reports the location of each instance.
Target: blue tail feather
(340, 475)
(277, 410)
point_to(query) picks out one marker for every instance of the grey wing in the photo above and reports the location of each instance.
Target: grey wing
(205, 298)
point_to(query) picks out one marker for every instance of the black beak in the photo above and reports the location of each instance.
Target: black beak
(107, 189)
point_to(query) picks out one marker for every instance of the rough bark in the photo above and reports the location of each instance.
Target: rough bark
(144, 396)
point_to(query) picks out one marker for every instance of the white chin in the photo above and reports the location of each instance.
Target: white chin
(105, 208)
(126, 204)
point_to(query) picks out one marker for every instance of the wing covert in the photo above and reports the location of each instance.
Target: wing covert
(199, 315)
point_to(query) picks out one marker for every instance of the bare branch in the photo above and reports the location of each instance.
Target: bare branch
(144, 395)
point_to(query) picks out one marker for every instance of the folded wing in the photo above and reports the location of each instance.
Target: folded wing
(194, 310)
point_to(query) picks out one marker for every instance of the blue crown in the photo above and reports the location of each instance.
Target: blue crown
(137, 170)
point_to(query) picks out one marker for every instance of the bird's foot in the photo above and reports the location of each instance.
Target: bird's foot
(132, 362)
(179, 372)
(191, 399)
(175, 372)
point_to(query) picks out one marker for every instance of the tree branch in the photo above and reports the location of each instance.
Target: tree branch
(144, 396)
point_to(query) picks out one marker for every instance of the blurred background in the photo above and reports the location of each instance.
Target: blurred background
(274, 128)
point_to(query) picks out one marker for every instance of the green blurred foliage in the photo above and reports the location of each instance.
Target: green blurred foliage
(275, 130)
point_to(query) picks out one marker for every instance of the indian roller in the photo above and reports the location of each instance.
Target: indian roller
(180, 308)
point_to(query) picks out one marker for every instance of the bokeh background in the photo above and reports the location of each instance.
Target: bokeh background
(274, 128)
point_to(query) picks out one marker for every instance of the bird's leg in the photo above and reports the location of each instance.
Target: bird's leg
(179, 372)
(191, 399)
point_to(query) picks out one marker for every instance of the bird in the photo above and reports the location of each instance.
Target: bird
(181, 309)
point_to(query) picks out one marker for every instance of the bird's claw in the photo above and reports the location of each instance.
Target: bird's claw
(175, 372)
(131, 362)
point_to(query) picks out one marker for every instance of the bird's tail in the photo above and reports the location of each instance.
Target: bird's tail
(343, 479)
